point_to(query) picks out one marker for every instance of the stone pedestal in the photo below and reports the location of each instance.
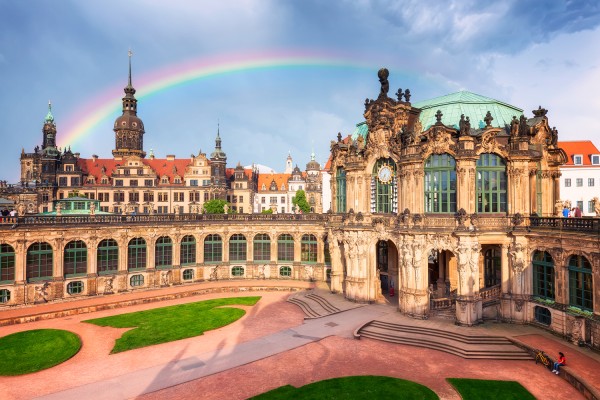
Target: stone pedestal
(469, 311)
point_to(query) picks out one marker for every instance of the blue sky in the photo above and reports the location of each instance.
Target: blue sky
(526, 53)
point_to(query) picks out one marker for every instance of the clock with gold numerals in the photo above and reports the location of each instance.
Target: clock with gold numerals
(384, 174)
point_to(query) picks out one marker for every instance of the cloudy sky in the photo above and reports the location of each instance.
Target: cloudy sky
(74, 53)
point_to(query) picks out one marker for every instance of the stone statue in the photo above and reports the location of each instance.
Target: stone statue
(108, 284)
(92, 208)
(596, 202)
(165, 278)
(58, 209)
(225, 209)
(21, 209)
(514, 126)
(383, 74)
(40, 293)
(517, 254)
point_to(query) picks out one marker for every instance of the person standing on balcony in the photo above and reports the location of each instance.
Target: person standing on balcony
(565, 212)
(577, 213)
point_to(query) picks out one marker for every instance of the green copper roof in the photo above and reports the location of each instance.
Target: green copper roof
(471, 105)
(453, 105)
(49, 116)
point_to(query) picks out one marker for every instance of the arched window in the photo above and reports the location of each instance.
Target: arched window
(308, 249)
(39, 261)
(238, 247)
(491, 267)
(262, 247)
(136, 254)
(543, 275)
(163, 252)
(188, 274)
(75, 258)
(384, 192)
(213, 249)
(7, 263)
(491, 184)
(326, 253)
(108, 256)
(440, 184)
(580, 283)
(285, 247)
(188, 250)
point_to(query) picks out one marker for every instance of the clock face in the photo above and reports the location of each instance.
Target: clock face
(385, 174)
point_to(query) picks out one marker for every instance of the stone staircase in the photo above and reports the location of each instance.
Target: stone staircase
(313, 305)
(465, 346)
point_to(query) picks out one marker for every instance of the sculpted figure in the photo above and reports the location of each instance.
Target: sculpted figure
(596, 206)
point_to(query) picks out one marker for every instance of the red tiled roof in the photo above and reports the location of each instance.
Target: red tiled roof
(581, 147)
(162, 167)
(266, 179)
(230, 171)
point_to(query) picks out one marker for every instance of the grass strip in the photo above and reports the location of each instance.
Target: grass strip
(490, 390)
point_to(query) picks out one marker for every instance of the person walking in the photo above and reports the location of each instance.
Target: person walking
(561, 361)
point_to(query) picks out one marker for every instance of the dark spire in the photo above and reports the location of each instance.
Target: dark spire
(218, 153)
(129, 101)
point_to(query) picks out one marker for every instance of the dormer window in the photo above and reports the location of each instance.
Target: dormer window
(578, 159)
(595, 159)
(177, 180)
(264, 187)
(282, 186)
(69, 168)
(164, 180)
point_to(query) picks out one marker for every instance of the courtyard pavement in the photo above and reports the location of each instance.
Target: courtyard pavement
(271, 346)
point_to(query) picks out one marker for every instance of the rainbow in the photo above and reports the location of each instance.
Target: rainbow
(103, 106)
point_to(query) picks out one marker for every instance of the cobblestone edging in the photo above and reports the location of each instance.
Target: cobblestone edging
(126, 303)
(588, 391)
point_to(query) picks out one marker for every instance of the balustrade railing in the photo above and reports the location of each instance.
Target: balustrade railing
(585, 224)
(441, 303)
(490, 294)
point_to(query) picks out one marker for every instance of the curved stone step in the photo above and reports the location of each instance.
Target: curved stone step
(323, 303)
(465, 346)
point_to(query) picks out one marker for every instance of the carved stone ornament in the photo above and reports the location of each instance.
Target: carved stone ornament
(519, 304)
(439, 142)
(540, 112)
(517, 219)
(461, 217)
(488, 141)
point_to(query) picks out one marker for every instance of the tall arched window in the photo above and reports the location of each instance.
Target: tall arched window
(75, 258)
(384, 190)
(440, 184)
(7, 263)
(163, 252)
(538, 190)
(108, 256)
(262, 248)
(237, 248)
(543, 275)
(188, 251)
(491, 184)
(39, 261)
(580, 283)
(136, 254)
(285, 247)
(308, 249)
(213, 249)
(340, 194)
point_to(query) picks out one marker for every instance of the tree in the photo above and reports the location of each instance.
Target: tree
(267, 211)
(215, 206)
(300, 201)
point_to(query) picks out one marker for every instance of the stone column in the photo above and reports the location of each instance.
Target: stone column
(469, 309)
(505, 276)
(199, 249)
(225, 244)
(150, 253)
(337, 269)
(58, 270)
(20, 261)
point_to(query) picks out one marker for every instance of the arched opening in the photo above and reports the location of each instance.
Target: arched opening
(386, 261)
(492, 269)
(442, 282)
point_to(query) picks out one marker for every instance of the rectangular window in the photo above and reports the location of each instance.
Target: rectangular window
(118, 197)
(579, 182)
(126, 172)
(590, 207)
(273, 199)
(595, 159)
(205, 196)
(134, 196)
(91, 196)
(580, 205)
(163, 196)
(45, 197)
(133, 182)
(578, 159)
(263, 200)
(118, 182)
(241, 210)
(75, 181)
(282, 199)
(178, 196)
(62, 181)
(148, 183)
(148, 197)
(193, 182)
(567, 182)
(590, 181)
(241, 199)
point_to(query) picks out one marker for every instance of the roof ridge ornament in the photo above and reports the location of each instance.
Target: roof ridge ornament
(383, 75)
(488, 120)
(438, 117)
(540, 112)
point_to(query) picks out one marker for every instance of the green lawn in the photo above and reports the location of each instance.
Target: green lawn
(166, 324)
(35, 350)
(353, 387)
(490, 390)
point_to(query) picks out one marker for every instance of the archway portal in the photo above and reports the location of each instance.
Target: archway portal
(440, 282)
(387, 266)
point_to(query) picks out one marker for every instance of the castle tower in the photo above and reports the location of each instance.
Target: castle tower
(289, 166)
(49, 130)
(218, 163)
(129, 129)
